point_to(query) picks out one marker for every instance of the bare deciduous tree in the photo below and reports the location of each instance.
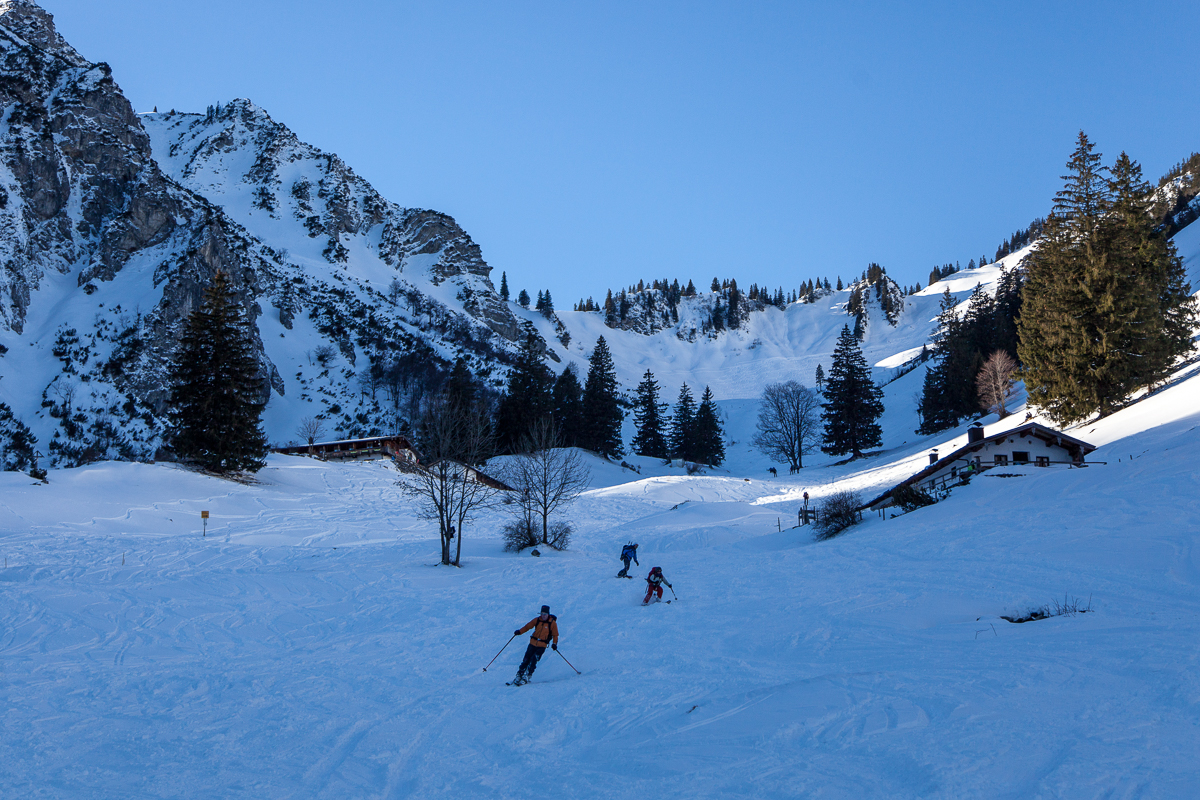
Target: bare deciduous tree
(309, 429)
(547, 477)
(447, 487)
(995, 382)
(789, 423)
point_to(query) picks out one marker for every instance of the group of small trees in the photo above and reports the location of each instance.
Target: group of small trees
(587, 415)
(986, 334)
(693, 433)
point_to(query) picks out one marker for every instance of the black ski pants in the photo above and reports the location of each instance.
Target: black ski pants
(533, 654)
(625, 571)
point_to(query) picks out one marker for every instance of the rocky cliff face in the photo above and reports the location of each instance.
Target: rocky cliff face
(294, 196)
(110, 229)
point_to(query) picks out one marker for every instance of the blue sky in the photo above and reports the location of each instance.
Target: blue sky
(589, 145)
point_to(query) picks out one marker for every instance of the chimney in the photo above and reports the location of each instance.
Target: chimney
(975, 433)
(933, 457)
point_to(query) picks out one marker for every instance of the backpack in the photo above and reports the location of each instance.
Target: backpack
(628, 551)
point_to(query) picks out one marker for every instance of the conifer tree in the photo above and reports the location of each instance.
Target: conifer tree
(681, 437)
(707, 433)
(853, 401)
(527, 397)
(819, 380)
(1105, 302)
(504, 286)
(460, 387)
(215, 409)
(523, 299)
(602, 413)
(649, 440)
(568, 406)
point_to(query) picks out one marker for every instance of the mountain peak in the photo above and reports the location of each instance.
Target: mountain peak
(35, 25)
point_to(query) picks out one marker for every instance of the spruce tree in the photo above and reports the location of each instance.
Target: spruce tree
(680, 438)
(819, 379)
(707, 433)
(527, 397)
(1104, 305)
(853, 401)
(647, 416)
(523, 299)
(568, 406)
(602, 413)
(504, 286)
(460, 386)
(215, 406)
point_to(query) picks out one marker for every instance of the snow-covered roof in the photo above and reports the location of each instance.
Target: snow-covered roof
(1076, 447)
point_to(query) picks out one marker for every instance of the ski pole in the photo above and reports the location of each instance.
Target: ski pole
(506, 644)
(569, 664)
(672, 588)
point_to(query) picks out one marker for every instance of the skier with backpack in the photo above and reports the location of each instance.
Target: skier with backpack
(628, 553)
(545, 632)
(656, 580)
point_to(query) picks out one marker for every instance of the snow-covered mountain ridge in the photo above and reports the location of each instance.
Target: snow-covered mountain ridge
(358, 305)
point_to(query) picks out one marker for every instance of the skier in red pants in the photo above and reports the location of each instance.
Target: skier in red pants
(655, 580)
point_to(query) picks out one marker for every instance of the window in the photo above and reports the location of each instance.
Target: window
(1043, 461)
(1001, 460)
(1020, 457)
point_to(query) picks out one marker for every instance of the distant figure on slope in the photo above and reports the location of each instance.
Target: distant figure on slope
(628, 553)
(545, 632)
(656, 581)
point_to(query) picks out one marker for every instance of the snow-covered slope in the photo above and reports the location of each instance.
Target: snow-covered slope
(308, 646)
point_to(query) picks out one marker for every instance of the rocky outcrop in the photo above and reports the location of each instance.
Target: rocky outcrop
(322, 199)
(112, 224)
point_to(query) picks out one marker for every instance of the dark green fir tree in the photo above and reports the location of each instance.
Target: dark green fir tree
(528, 395)
(681, 437)
(602, 413)
(504, 286)
(216, 399)
(707, 433)
(650, 439)
(1105, 304)
(568, 406)
(853, 402)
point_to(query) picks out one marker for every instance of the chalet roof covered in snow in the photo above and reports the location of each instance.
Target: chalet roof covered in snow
(976, 441)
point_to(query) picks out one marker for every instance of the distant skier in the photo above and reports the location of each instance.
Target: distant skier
(655, 580)
(628, 553)
(545, 632)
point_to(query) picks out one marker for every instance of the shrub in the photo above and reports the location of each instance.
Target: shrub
(911, 497)
(559, 535)
(836, 514)
(519, 534)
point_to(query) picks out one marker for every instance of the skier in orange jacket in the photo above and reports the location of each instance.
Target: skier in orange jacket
(545, 632)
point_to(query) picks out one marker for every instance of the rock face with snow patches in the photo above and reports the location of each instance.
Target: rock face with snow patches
(105, 251)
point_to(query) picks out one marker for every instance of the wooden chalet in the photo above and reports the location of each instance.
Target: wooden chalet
(1029, 444)
(474, 474)
(397, 448)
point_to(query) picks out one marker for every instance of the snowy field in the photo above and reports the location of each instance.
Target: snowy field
(309, 646)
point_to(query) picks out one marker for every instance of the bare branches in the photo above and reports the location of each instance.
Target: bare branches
(789, 423)
(310, 429)
(995, 382)
(547, 477)
(448, 488)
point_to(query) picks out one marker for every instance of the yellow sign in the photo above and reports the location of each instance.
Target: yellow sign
(203, 515)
